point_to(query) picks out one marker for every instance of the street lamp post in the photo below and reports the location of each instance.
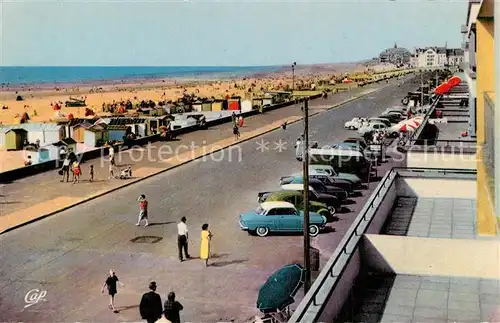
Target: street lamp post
(293, 75)
(305, 160)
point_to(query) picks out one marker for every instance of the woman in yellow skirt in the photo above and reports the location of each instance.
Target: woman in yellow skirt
(206, 236)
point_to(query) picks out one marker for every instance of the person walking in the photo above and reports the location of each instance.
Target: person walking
(65, 169)
(91, 173)
(111, 171)
(150, 307)
(111, 155)
(182, 239)
(143, 210)
(206, 236)
(77, 171)
(110, 284)
(236, 131)
(172, 309)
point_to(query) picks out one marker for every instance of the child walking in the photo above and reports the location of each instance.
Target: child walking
(143, 210)
(110, 283)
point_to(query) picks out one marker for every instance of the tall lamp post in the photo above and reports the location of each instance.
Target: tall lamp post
(305, 160)
(293, 75)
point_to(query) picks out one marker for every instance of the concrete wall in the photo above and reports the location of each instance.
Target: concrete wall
(434, 257)
(436, 188)
(341, 293)
(383, 211)
(441, 160)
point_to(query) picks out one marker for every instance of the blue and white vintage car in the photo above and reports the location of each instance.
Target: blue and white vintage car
(279, 217)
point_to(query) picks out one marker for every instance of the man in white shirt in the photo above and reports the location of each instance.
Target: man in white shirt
(182, 238)
(65, 169)
(112, 155)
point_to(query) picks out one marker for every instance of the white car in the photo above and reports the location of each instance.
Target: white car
(372, 126)
(355, 123)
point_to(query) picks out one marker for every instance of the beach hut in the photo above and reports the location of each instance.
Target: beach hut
(46, 133)
(206, 106)
(79, 130)
(95, 136)
(246, 105)
(155, 123)
(14, 139)
(257, 102)
(233, 104)
(197, 106)
(68, 145)
(117, 132)
(218, 105)
(139, 125)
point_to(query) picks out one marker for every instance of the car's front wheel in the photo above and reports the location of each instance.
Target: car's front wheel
(332, 210)
(262, 231)
(313, 230)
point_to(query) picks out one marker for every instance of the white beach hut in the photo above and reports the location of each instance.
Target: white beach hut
(47, 133)
(246, 105)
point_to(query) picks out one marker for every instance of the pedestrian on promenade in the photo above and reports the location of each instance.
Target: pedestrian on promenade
(91, 173)
(206, 236)
(236, 132)
(111, 171)
(77, 171)
(240, 121)
(111, 155)
(110, 283)
(182, 239)
(150, 307)
(143, 210)
(233, 117)
(65, 169)
(173, 309)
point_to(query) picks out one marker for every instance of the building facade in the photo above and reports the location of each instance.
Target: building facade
(395, 55)
(437, 57)
(488, 136)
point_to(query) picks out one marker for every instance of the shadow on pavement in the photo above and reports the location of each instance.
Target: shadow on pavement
(160, 223)
(227, 263)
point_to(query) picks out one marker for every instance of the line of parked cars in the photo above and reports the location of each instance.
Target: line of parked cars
(329, 190)
(384, 122)
(335, 174)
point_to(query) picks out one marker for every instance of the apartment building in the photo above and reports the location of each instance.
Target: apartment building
(437, 57)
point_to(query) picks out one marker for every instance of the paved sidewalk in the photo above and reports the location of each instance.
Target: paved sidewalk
(34, 197)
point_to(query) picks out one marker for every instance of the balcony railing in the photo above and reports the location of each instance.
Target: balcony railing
(314, 302)
(489, 139)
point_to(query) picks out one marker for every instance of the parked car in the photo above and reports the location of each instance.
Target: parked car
(357, 140)
(401, 110)
(392, 117)
(348, 145)
(342, 160)
(297, 199)
(279, 217)
(373, 126)
(318, 185)
(380, 120)
(331, 201)
(355, 123)
(329, 170)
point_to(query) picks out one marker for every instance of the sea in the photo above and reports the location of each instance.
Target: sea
(53, 75)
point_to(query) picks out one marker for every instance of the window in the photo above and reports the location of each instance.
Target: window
(273, 212)
(259, 210)
(286, 211)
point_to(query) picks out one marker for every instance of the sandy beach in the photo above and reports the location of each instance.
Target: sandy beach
(37, 103)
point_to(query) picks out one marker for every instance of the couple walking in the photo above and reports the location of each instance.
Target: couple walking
(182, 241)
(151, 309)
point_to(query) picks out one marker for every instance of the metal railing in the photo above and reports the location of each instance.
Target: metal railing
(353, 235)
(416, 134)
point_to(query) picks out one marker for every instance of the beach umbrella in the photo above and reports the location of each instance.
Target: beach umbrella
(407, 128)
(280, 288)
(454, 81)
(56, 107)
(121, 110)
(443, 88)
(70, 116)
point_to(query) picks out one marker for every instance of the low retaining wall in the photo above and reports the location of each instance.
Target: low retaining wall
(18, 173)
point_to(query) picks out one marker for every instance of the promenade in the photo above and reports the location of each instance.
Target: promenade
(69, 254)
(29, 198)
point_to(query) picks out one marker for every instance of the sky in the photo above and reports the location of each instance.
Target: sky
(219, 33)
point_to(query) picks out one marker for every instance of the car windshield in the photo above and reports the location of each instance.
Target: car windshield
(259, 210)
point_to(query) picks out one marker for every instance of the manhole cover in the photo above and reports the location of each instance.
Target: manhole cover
(146, 239)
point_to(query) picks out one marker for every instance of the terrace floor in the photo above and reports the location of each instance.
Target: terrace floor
(407, 298)
(433, 218)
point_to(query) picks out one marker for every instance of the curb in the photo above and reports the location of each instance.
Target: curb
(92, 197)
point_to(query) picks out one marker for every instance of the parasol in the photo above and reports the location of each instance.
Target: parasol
(280, 288)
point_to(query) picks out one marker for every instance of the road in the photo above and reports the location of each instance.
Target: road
(68, 255)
